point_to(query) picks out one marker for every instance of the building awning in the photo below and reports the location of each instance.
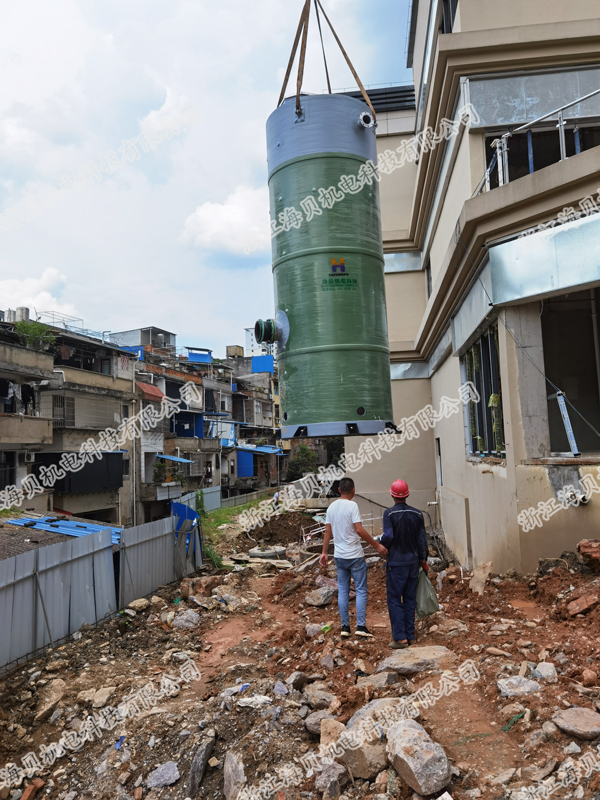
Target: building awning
(174, 458)
(150, 391)
(270, 449)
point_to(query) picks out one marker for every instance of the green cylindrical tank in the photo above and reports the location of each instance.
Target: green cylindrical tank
(330, 324)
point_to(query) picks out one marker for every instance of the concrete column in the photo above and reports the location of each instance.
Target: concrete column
(525, 323)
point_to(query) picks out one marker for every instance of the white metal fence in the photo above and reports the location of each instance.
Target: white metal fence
(49, 593)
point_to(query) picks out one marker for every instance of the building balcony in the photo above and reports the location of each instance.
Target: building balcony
(23, 430)
(24, 363)
(160, 491)
(96, 380)
(193, 444)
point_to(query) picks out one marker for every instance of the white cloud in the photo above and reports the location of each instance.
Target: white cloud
(239, 225)
(38, 294)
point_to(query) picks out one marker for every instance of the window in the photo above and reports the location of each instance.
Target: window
(105, 366)
(428, 278)
(485, 423)
(125, 411)
(438, 461)
(125, 467)
(449, 12)
(232, 467)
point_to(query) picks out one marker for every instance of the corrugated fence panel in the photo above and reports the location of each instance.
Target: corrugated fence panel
(76, 585)
(24, 606)
(212, 498)
(146, 558)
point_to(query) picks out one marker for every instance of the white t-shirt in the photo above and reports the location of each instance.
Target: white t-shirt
(342, 515)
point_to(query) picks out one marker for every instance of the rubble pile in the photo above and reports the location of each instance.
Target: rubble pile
(236, 680)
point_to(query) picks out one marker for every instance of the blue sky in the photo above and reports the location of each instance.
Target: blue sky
(162, 240)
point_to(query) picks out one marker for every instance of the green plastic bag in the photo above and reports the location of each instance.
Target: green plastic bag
(427, 602)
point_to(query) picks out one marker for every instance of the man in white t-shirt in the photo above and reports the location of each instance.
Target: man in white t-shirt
(343, 523)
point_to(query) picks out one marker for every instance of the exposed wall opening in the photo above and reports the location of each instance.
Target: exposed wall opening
(481, 366)
(570, 362)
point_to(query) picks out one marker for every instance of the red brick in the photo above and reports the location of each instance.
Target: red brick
(138, 794)
(583, 604)
(590, 553)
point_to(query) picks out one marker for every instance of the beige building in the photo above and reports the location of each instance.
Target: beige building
(471, 298)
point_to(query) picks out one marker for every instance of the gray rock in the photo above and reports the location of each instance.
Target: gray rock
(280, 688)
(165, 775)
(516, 686)
(186, 620)
(313, 721)
(416, 659)
(327, 662)
(571, 749)
(312, 629)
(546, 672)
(376, 709)
(551, 731)
(380, 680)
(417, 759)
(580, 722)
(504, 777)
(535, 739)
(199, 762)
(233, 775)
(321, 597)
(317, 696)
(297, 680)
(303, 711)
(333, 778)
(102, 695)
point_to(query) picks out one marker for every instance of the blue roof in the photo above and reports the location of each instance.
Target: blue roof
(174, 458)
(268, 448)
(67, 527)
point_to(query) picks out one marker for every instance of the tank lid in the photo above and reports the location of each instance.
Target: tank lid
(329, 123)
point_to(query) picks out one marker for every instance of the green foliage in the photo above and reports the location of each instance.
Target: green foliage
(10, 512)
(160, 471)
(211, 553)
(305, 460)
(35, 335)
(200, 507)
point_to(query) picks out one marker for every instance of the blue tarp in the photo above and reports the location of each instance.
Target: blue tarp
(267, 448)
(263, 364)
(67, 527)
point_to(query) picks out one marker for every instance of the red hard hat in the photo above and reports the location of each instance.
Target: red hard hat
(399, 489)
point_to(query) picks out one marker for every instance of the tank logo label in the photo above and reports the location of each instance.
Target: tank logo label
(339, 278)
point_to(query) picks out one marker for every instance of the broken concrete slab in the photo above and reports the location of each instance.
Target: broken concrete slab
(102, 695)
(580, 722)
(50, 698)
(418, 760)
(417, 659)
(139, 605)
(480, 575)
(582, 605)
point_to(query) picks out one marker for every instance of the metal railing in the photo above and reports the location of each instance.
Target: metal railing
(501, 143)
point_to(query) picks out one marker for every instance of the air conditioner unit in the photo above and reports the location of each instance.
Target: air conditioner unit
(29, 458)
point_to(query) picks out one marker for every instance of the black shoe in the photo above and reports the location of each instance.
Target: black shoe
(361, 630)
(345, 631)
(398, 645)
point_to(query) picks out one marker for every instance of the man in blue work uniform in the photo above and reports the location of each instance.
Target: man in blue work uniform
(406, 542)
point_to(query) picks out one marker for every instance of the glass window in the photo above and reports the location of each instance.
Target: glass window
(485, 421)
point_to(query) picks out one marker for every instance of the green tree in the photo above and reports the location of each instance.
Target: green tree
(200, 506)
(34, 334)
(305, 460)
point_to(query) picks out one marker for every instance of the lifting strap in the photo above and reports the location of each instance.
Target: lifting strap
(303, 31)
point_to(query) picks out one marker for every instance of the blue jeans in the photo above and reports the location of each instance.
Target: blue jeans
(355, 568)
(401, 585)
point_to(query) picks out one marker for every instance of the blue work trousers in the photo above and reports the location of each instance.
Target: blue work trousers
(401, 585)
(355, 568)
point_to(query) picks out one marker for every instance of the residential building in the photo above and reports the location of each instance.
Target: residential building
(478, 291)
(24, 431)
(253, 348)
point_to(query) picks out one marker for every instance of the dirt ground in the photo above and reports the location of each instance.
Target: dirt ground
(248, 632)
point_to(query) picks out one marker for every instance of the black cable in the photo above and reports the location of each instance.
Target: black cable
(322, 46)
(518, 343)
